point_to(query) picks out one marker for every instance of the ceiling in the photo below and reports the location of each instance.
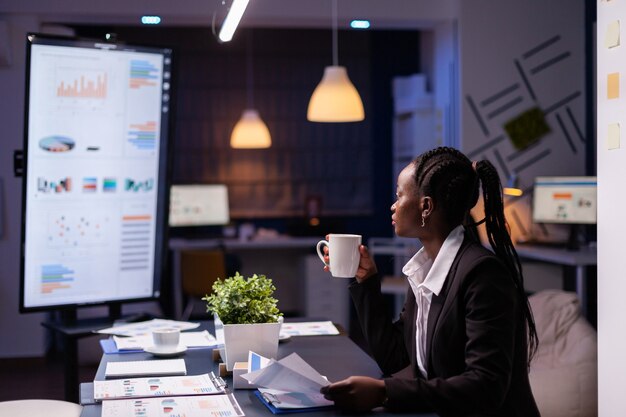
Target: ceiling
(383, 14)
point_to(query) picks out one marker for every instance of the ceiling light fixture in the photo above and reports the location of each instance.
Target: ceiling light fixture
(250, 132)
(360, 24)
(335, 99)
(150, 20)
(237, 8)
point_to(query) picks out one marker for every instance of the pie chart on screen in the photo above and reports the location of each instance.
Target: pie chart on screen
(56, 144)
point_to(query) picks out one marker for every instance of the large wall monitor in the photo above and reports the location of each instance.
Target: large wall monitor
(95, 187)
(567, 200)
(199, 205)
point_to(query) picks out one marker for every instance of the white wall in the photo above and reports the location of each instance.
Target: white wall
(611, 224)
(440, 62)
(500, 46)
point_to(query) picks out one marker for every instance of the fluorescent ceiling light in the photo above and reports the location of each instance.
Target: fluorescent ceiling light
(360, 24)
(232, 20)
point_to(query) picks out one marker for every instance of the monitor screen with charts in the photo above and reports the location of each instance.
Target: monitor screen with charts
(199, 205)
(95, 185)
(565, 200)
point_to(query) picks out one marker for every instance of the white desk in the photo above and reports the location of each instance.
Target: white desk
(580, 259)
(281, 259)
(39, 408)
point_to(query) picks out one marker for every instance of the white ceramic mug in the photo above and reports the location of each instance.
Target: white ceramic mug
(343, 251)
(165, 339)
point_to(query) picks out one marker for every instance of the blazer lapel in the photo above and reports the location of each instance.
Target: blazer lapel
(436, 306)
(438, 303)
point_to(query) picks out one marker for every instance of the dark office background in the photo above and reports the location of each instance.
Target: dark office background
(347, 165)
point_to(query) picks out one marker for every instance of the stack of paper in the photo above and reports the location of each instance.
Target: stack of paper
(189, 396)
(289, 384)
(145, 368)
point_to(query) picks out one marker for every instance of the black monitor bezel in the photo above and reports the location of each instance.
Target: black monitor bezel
(164, 173)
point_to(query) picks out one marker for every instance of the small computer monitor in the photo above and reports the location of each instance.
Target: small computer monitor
(565, 200)
(199, 205)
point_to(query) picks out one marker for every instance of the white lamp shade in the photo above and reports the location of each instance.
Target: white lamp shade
(250, 132)
(335, 99)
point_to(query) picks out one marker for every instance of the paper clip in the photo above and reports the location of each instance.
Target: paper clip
(270, 398)
(218, 381)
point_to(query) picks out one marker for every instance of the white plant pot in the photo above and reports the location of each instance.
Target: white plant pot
(261, 338)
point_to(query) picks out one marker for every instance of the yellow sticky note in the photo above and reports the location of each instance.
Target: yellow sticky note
(613, 136)
(612, 85)
(611, 38)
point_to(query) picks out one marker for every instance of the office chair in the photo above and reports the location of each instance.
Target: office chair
(564, 372)
(39, 408)
(199, 270)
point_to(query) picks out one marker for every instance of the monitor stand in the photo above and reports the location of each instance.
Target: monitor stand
(71, 329)
(573, 241)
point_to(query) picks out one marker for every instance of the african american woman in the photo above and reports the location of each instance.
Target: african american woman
(463, 342)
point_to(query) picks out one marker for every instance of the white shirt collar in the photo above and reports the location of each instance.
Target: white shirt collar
(422, 271)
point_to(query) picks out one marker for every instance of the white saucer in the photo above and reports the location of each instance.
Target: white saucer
(166, 352)
(283, 337)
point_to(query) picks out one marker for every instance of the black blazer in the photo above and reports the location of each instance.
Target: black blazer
(476, 342)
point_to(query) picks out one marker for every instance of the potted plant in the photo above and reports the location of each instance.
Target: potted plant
(249, 315)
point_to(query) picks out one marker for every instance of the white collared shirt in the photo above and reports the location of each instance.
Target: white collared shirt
(426, 277)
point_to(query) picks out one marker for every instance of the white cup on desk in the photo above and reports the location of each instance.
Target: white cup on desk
(166, 339)
(343, 251)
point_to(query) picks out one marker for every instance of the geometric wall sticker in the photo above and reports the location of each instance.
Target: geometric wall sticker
(612, 85)
(613, 136)
(611, 38)
(527, 128)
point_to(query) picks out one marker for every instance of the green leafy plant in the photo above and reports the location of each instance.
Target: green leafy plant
(240, 300)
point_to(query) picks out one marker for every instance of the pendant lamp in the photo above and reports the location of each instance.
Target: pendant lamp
(335, 99)
(250, 132)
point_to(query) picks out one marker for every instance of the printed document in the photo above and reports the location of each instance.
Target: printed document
(308, 328)
(188, 339)
(158, 387)
(147, 327)
(222, 405)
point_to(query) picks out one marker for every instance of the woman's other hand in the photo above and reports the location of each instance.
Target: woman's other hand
(356, 393)
(367, 266)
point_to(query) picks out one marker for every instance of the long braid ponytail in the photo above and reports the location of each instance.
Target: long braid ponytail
(453, 180)
(500, 241)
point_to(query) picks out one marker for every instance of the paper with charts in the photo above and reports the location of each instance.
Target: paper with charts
(147, 327)
(309, 328)
(188, 339)
(222, 405)
(158, 387)
(291, 381)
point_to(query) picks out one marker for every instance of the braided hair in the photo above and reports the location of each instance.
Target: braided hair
(452, 180)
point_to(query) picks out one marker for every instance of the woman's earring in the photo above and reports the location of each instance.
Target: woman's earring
(423, 220)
